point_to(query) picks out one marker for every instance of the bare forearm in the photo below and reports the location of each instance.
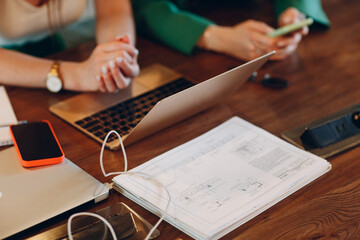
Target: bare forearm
(22, 70)
(19, 69)
(114, 18)
(106, 29)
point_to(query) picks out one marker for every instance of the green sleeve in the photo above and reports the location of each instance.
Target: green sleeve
(312, 8)
(163, 21)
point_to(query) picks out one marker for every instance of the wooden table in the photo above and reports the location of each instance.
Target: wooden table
(324, 78)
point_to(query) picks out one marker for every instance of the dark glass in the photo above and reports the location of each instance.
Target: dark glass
(36, 141)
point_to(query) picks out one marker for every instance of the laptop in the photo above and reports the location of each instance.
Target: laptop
(156, 99)
(29, 196)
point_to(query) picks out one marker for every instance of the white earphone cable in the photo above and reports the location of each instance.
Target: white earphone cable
(92, 215)
(145, 175)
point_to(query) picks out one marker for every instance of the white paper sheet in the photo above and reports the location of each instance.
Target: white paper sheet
(7, 117)
(221, 178)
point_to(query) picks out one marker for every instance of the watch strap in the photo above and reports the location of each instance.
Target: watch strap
(54, 69)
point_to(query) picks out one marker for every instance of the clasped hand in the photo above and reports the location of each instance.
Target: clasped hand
(111, 66)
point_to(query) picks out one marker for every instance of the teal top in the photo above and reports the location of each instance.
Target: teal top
(165, 22)
(312, 8)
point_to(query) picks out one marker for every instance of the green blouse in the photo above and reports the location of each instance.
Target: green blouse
(165, 22)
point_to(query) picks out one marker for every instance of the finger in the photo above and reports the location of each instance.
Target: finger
(127, 38)
(123, 54)
(131, 50)
(116, 46)
(280, 54)
(284, 42)
(289, 49)
(113, 55)
(101, 83)
(118, 77)
(263, 42)
(257, 52)
(305, 31)
(108, 80)
(259, 26)
(120, 38)
(129, 70)
(286, 20)
(131, 59)
(104, 58)
(285, 52)
(127, 57)
(290, 15)
(110, 46)
(253, 52)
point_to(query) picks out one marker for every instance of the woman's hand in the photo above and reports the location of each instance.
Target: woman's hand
(110, 67)
(246, 40)
(118, 72)
(249, 39)
(289, 43)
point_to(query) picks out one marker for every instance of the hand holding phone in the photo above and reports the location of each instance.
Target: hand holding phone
(290, 28)
(36, 144)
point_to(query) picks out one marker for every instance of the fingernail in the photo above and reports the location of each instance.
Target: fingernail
(136, 52)
(127, 81)
(112, 64)
(98, 78)
(119, 37)
(127, 37)
(128, 57)
(104, 69)
(119, 60)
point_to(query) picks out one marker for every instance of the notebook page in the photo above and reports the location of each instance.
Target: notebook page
(7, 117)
(223, 178)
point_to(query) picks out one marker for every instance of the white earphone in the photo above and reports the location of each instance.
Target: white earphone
(144, 175)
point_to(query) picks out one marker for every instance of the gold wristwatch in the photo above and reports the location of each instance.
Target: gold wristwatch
(53, 80)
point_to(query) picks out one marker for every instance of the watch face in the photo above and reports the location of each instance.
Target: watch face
(54, 84)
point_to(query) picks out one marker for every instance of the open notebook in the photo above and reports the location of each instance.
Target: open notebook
(222, 179)
(7, 117)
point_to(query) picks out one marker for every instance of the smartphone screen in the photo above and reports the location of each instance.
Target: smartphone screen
(36, 141)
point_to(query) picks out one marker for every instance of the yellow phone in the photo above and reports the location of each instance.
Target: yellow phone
(290, 28)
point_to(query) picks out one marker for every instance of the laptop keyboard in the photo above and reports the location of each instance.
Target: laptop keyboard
(124, 116)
